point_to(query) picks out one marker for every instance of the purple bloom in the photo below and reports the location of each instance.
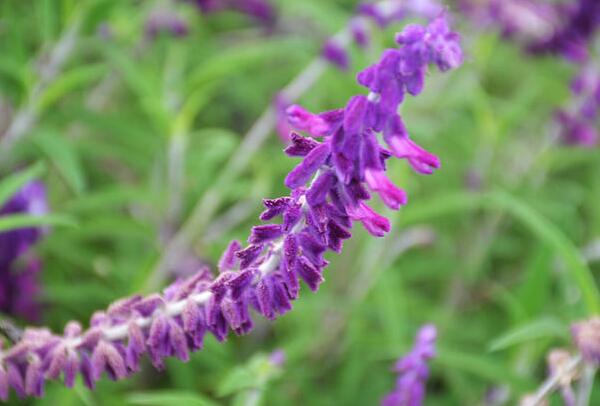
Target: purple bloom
(413, 371)
(586, 336)
(18, 266)
(165, 20)
(572, 36)
(359, 32)
(579, 119)
(335, 53)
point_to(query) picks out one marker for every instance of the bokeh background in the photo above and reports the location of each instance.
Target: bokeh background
(139, 139)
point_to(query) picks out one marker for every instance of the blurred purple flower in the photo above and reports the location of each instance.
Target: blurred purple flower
(18, 266)
(572, 36)
(334, 53)
(413, 371)
(586, 336)
(579, 119)
(282, 126)
(260, 10)
(165, 20)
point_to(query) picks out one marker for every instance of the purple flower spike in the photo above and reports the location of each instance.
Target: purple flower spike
(329, 190)
(413, 371)
(335, 54)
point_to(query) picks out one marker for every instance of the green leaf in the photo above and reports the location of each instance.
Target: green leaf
(540, 328)
(12, 184)
(230, 60)
(16, 221)
(479, 365)
(169, 398)
(62, 155)
(256, 374)
(76, 78)
(555, 238)
(544, 229)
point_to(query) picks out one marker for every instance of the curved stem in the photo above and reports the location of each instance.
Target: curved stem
(27, 115)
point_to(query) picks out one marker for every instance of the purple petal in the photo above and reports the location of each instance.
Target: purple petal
(228, 260)
(317, 193)
(304, 120)
(275, 207)
(304, 171)
(300, 146)
(248, 255)
(309, 274)
(264, 233)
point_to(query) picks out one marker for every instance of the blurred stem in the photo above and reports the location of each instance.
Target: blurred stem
(175, 177)
(10, 330)
(27, 115)
(584, 390)
(253, 398)
(554, 381)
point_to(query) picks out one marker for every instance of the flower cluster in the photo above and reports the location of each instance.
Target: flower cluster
(18, 266)
(335, 52)
(524, 21)
(261, 10)
(413, 371)
(341, 161)
(572, 36)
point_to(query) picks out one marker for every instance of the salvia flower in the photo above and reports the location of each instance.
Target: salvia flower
(413, 371)
(19, 268)
(329, 191)
(586, 336)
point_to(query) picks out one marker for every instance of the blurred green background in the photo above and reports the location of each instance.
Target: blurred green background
(137, 134)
